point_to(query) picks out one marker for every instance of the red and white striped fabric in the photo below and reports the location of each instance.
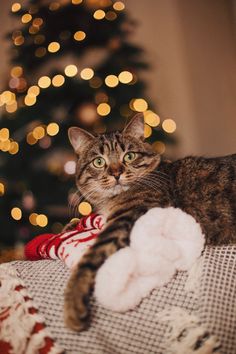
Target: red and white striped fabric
(22, 328)
(68, 246)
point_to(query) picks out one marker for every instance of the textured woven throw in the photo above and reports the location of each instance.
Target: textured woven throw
(192, 312)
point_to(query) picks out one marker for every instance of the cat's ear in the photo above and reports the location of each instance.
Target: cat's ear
(79, 138)
(135, 127)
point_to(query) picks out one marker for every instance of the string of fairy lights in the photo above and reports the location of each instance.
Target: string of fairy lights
(29, 94)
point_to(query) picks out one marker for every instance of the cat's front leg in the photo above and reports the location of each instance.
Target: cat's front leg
(81, 282)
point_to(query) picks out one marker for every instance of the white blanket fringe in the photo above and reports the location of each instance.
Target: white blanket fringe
(186, 334)
(19, 318)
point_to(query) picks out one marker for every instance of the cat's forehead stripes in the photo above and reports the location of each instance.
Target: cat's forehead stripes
(111, 143)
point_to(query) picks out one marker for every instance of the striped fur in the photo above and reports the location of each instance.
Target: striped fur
(204, 188)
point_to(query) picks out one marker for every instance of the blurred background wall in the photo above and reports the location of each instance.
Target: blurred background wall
(191, 47)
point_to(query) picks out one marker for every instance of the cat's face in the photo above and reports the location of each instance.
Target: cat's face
(111, 163)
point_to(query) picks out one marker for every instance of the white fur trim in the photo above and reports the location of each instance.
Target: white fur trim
(162, 242)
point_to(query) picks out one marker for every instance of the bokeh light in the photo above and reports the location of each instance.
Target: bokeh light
(85, 208)
(26, 18)
(58, 80)
(30, 100)
(4, 134)
(53, 47)
(71, 70)
(111, 81)
(52, 129)
(44, 82)
(103, 109)
(118, 6)
(70, 167)
(32, 219)
(99, 14)
(147, 131)
(151, 118)
(125, 77)
(79, 35)
(38, 133)
(41, 220)
(87, 74)
(139, 105)
(15, 7)
(16, 213)
(169, 125)
(2, 189)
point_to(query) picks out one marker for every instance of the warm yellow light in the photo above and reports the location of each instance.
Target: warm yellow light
(16, 213)
(53, 129)
(26, 18)
(16, 71)
(32, 219)
(12, 107)
(151, 118)
(140, 105)
(8, 97)
(159, 147)
(14, 148)
(99, 14)
(103, 109)
(118, 6)
(31, 139)
(2, 189)
(4, 134)
(41, 220)
(58, 80)
(71, 70)
(147, 131)
(87, 74)
(111, 81)
(76, 2)
(169, 125)
(15, 7)
(5, 145)
(79, 35)
(33, 91)
(30, 100)
(38, 133)
(85, 208)
(44, 82)
(53, 47)
(125, 77)
(40, 52)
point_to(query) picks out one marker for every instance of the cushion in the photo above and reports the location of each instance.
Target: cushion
(200, 304)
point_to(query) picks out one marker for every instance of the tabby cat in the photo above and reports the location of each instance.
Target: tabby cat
(122, 177)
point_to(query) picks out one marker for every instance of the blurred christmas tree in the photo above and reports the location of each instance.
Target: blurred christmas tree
(71, 65)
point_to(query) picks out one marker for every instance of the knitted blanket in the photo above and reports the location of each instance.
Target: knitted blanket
(197, 305)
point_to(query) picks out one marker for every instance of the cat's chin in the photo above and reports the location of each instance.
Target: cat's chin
(117, 189)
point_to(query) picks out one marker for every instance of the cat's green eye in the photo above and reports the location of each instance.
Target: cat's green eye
(130, 156)
(99, 162)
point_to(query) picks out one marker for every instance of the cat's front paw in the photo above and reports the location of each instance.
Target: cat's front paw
(77, 294)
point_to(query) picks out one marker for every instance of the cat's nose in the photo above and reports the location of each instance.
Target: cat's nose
(116, 171)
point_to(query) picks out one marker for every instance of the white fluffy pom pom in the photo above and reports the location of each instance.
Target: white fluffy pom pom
(162, 241)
